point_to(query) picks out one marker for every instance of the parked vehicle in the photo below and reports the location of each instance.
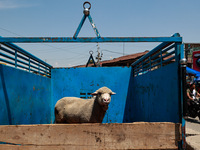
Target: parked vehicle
(146, 112)
(194, 109)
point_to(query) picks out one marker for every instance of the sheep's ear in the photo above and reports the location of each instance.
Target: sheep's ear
(95, 93)
(113, 93)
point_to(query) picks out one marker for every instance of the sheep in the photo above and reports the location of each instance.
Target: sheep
(77, 110)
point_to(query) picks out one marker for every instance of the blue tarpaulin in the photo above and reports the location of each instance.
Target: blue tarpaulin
(192, 71)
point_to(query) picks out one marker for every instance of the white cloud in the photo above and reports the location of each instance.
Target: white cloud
(56, 64)
(69, 65)
(11, 4)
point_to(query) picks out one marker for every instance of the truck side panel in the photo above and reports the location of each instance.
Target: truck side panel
(25, 98)
(155, 96)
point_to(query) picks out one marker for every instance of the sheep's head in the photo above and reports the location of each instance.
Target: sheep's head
(103, 96)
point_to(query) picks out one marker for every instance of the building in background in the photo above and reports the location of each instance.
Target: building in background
(191, 48)
(126, 60)
(192, 52)
(123, 61)
(196, 60)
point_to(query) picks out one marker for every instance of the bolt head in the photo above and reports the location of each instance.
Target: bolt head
(183, 61)
(86, 11)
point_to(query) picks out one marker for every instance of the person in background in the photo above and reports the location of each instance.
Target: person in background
(192, 93)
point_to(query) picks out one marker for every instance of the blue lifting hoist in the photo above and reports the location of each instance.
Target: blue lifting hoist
(86, 13)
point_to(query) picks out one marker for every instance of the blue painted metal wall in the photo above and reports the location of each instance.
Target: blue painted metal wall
(154, 96)
(25, 98)
(73, 81)
(30, 99)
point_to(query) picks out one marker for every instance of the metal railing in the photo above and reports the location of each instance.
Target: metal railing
(163, 54)
(13, 55)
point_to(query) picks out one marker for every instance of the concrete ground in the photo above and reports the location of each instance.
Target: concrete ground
(192, 136)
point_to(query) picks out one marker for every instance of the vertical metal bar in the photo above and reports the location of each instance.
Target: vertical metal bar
(79, 27)
(15, 58)
(179, 55)
(46, 71)
(183, 100)
(49, 72)
(93, 26)
(161, 58)
(183, 135)
(179, 51)
(29, 64)
(184, 93)
(38, 68)
(176, 52)
(150, 62)
(135, 71)
(182, 85)
(142, 67)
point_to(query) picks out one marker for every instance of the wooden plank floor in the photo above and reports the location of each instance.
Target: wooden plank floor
(140, 135)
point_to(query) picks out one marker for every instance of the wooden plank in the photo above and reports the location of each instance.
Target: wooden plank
(91, 136)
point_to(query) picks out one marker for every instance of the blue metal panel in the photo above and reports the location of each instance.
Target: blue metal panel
(73, 81)
(144, 98)
(87, 40)
(25, 98)
(156, 96)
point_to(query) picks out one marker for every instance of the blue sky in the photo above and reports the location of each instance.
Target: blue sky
(113, 18)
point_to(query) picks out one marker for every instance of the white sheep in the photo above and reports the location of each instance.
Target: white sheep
(77, 110)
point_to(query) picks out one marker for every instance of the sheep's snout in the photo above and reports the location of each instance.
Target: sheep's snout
(106, 98)
(106, 101)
